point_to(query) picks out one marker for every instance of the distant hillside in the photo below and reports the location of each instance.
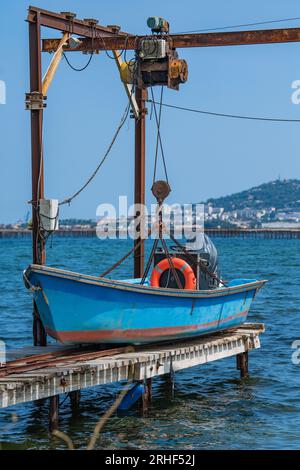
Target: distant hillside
(283, 194)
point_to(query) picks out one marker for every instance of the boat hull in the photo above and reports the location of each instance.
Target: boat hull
(75, 308)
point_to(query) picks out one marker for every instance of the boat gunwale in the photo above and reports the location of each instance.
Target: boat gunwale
(142, 289)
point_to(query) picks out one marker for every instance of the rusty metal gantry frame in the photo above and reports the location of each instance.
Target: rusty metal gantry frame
(65, 22)
(94, 37)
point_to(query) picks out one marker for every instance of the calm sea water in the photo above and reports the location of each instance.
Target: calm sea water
(212, 408)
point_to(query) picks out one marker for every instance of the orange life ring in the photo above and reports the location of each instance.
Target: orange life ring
(181, 265)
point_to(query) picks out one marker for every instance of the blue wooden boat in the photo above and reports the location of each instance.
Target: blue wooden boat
(78, 308)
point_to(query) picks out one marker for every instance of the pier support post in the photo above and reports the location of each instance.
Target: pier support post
(242, 363)
(171, 378)
(53, 413)
(147, 395)
(74, 400)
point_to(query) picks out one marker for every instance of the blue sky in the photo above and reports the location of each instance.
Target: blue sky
(206, 156)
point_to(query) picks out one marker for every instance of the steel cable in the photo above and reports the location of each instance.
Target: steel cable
(235, 116)
(238, 25)
(122, 122)
(158, 139)
(74, 68)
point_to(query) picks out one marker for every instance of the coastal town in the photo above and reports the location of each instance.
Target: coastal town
(251, 209)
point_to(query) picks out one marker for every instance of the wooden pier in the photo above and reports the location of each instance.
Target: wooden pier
(34, 373)
(292, 233)
(286, 233)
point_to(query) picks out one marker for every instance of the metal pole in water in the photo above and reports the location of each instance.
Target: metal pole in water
(147, 395)
(242, 363)
(171, 378)
(53, 413)
(74, 399)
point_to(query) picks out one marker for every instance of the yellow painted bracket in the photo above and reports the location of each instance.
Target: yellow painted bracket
(128, 87)
(49, 75)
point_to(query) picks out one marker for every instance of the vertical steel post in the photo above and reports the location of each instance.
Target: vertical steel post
(38, 247)
(139, 173)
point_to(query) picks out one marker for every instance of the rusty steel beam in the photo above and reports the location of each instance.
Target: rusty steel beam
(234, 38)
(66, 23)
(237, 38)
(37, 167)
(112, 43)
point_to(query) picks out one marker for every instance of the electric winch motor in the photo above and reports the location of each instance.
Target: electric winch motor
(158, 62)
(158, 24)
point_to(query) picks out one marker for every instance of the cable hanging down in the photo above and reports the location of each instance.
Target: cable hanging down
(158, 137)
(234, 116)
(122, 122)
(74, 68)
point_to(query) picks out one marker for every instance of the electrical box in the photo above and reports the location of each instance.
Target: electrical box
(153, 49)
(48, 212)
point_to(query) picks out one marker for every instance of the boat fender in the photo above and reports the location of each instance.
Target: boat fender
(179, 264)
(131, 397)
